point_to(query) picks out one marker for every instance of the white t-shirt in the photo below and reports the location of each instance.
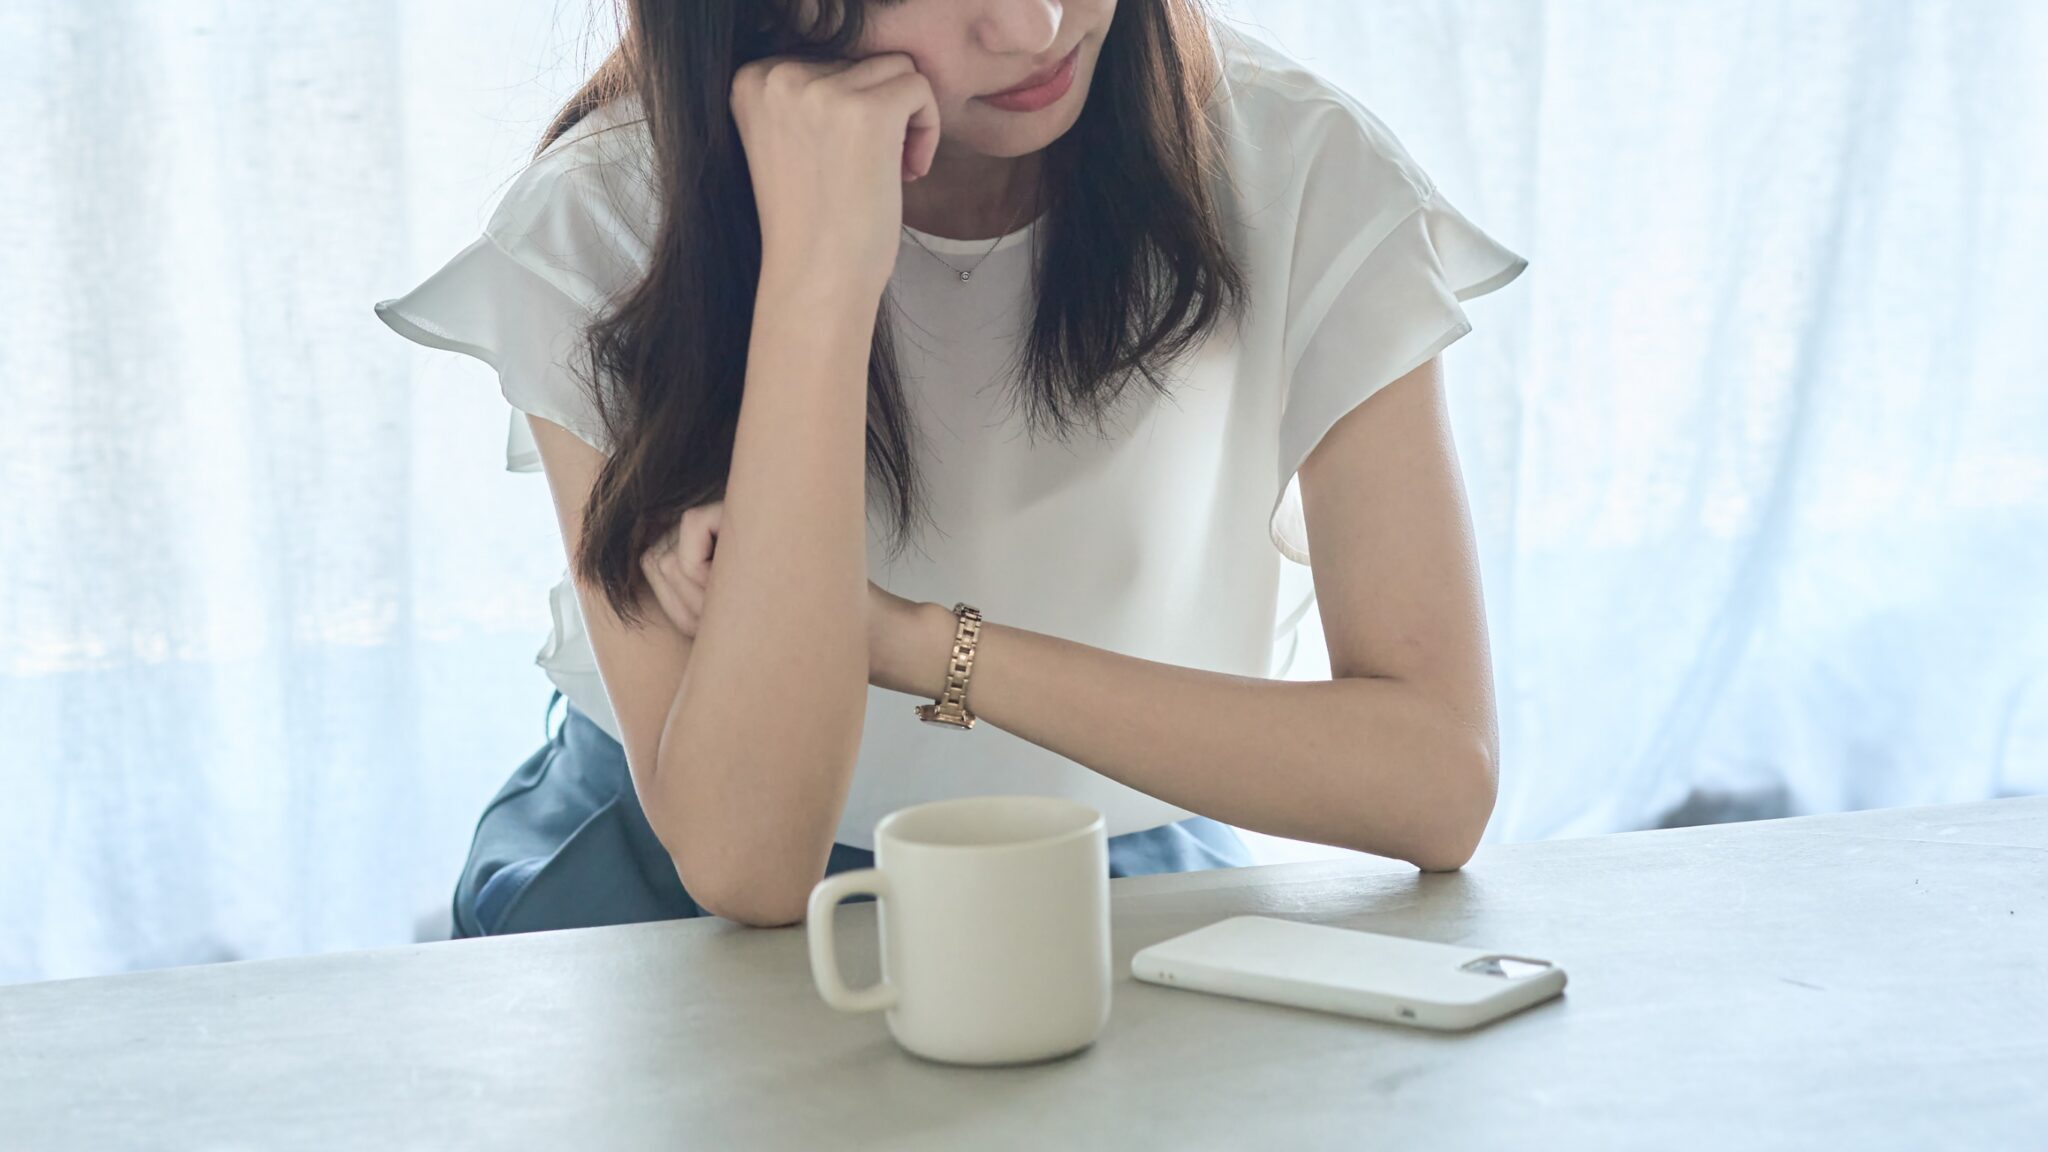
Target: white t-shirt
(1167, 541)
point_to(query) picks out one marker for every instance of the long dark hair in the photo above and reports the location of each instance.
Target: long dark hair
(1132, 265)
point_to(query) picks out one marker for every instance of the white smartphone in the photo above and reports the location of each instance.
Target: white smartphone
(1355, 973)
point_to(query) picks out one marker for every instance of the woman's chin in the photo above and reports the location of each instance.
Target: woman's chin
(994, 132)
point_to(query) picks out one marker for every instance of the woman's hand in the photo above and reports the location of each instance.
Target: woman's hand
(679, 565)
(828, 146)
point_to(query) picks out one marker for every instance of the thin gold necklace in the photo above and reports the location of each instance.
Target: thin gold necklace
(966, 273)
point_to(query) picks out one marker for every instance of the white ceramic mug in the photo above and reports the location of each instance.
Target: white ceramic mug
(994, 921)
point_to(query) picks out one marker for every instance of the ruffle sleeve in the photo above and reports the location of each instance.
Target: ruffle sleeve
(485, 303)
(1387, 301)
(568, 239)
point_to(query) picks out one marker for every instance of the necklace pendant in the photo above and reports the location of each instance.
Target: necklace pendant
(967, 274)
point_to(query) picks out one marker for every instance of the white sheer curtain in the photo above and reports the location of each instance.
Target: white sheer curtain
(1758, 448)
(268, 602)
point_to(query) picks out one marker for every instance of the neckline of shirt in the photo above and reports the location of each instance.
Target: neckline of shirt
(952, 247)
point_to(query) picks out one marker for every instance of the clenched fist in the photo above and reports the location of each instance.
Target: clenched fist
(829, 145)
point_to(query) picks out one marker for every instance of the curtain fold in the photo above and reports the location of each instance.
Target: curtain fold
(1757, 449)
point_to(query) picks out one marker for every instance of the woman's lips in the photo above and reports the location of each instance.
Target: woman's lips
(1034, 94)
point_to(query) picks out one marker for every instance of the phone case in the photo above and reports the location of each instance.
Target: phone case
(1354, 973)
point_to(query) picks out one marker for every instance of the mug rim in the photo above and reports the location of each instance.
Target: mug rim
(886, 829)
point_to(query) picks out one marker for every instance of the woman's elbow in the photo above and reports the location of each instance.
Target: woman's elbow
(1463, 805)
(743, 898)
(1447, 855)
(757, 909)
(759, 882)
(740, 886)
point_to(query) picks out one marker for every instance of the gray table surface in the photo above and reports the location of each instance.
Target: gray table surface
(1869, 980)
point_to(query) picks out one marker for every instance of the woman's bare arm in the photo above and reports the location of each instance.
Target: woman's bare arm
(1394, 755)
(741, 738)
(741, 741)
(642, 667)
(757, 753)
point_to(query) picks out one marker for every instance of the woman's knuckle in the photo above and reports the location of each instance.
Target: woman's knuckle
(821, 100)
(747, 84)
(786, 78)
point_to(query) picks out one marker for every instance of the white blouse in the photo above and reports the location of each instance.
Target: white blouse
(1166, 540)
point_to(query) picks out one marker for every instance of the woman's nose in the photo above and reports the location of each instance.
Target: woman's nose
(1019, 27)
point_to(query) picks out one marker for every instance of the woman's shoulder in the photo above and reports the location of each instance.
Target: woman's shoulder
(582, 214)
(1287, 127)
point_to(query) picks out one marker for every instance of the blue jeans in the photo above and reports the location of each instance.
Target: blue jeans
(565, 844)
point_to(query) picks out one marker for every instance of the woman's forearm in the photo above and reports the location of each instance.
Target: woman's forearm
(760, 743)
(1372, 764)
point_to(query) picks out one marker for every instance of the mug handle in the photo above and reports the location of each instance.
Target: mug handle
(825, 900)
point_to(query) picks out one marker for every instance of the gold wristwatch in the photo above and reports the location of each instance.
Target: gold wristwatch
(951, 706)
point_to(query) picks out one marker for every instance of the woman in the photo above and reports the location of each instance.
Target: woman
(787, 297)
